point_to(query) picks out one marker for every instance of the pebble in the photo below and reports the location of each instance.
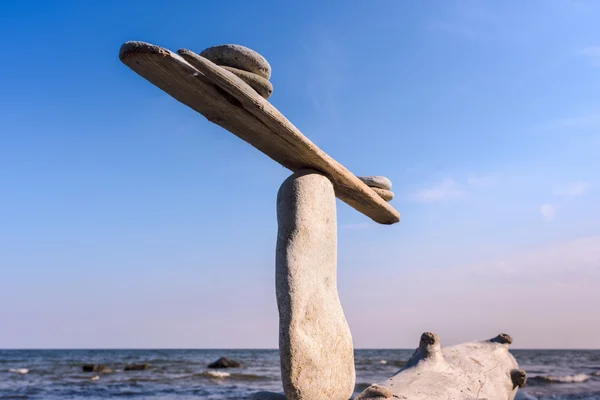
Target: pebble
(380, 182)
(240, 57)
(387, 195)
(261, 85)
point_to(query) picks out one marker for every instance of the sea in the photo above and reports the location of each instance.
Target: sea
(183, 374)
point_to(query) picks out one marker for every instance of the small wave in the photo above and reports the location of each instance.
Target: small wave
(559, 379)
(217, 374)
(597, 373)
(21, 371)
(233, 376)
(95, 378)
(371, 362)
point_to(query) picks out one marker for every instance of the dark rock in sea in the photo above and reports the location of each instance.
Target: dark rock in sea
(398, 363)
(136, 367)
(96, 368)
(224, 362)
(268, 396)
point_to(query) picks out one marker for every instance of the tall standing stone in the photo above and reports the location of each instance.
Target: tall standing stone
(317, 356)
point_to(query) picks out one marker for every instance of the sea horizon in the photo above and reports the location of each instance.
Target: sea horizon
(184, 374)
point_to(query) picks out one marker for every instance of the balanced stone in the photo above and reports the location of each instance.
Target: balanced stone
(315, 344)
(240, 57)
(387, 195)
(261, 85)
(380, 182)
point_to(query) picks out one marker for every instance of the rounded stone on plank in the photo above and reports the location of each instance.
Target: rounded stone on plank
(380, 182)
(261, 85)
(240, 57)
(387, 195)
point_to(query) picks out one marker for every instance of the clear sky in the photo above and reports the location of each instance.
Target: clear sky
(128, 220)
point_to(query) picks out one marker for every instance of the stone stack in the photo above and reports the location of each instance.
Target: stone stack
(380, 185)
(245, 63)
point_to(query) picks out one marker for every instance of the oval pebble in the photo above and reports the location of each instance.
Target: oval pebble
(387, 195)
(240, 57)
(380, 182)
(261, 85)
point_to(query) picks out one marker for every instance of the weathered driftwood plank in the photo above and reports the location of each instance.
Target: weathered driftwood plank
(226, 100)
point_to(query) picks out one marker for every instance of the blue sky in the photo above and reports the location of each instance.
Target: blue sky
(128, 220)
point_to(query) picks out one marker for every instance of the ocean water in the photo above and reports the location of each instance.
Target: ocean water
(182, 374)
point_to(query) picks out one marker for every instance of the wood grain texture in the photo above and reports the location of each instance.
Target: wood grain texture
(229, 102)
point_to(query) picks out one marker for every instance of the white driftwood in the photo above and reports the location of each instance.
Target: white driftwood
(469, 371)
(226, 100)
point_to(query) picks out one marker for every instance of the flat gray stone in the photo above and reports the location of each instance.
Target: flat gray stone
(240, 57)
(387, 195)
(261, 85)
(380, 182)
(315, 344)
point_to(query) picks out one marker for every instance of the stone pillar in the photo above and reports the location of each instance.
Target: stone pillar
(317, 356)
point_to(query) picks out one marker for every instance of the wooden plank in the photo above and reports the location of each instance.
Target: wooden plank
(226, 100)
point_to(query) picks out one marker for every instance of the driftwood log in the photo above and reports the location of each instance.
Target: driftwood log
(230, 86)
(228, 101)
(468, 371)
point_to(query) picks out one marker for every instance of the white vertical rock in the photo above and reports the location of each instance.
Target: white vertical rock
(317, 356)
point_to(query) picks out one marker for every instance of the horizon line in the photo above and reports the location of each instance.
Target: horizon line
(263, 348)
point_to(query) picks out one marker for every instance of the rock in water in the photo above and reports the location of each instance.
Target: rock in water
(260, 85)
(268, 396)
(240, 57)
(380, 182)
(315, 344)
(224, 362)
(96, 368)
(136, 367)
